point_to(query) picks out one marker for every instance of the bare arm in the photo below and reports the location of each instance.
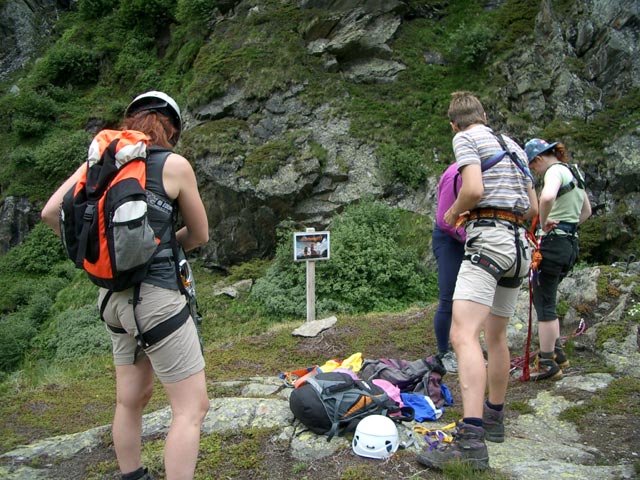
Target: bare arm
(533, 203)
(586, 208)
(180, 183)
(470, 193)
(548, 195)
(51, 210)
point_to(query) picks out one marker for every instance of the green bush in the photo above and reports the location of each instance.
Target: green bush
(60, 155)
(68, 63)
(40, 251)
(32, 114)
(80, 333)
(195, 13)
(16, 332)
(469, 44)
(135, 68)
(95, 9)
(371, 268)
(147, 16)
(402, 164)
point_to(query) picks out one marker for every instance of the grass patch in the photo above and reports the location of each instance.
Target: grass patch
(238, 454)
(619, 398)
(69, 398)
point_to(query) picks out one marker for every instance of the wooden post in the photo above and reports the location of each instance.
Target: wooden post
(311, 286)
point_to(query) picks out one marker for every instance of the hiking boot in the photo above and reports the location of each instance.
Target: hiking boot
(545, 368)
(139, 474)
(560, 357)
(467, 447)
(449, 361)
(493, 421)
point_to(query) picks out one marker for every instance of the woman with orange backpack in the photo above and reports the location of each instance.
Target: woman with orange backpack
(174, 354)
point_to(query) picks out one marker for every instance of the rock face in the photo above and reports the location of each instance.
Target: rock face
(17, 218)
(575, 62)
(23, 25)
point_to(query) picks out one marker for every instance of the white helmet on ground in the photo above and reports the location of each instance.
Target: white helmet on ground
(160, 102)
(376, 437)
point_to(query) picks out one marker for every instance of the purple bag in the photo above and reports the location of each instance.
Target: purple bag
(420, 376)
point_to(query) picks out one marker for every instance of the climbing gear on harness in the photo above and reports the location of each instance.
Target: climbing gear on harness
(485, 263)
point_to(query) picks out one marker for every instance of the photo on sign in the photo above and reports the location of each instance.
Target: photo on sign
(311, 246)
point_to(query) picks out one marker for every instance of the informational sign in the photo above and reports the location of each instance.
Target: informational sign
(310, 246)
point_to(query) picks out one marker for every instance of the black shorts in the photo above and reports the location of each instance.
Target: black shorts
(559, 255)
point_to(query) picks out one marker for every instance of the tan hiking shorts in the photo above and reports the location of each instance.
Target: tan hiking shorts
(497, 242)
(175, 357)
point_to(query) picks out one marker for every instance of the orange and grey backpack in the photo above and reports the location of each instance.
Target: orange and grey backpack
(103, 218)
(106, 231)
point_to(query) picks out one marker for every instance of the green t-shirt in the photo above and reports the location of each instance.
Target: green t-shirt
(567, 207)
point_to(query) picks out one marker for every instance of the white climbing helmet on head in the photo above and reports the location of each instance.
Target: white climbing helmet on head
(376, 437)
(160, 102)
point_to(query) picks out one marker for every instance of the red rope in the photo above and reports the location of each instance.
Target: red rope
(525, 367)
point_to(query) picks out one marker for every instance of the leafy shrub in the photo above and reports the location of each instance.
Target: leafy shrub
(79, 333)
(16, 332)
(195, 13)
(469, 44)
(37, 254)
(33, 114)
(90, 9)
(61, 154)
(68, 63)
(371, 268)
(147, 16)
(135, 68)
(406, 166)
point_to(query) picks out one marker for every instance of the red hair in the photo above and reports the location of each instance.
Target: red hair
(561, 153)
(158, 127)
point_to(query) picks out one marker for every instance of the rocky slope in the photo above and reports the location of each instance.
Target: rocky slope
(580, 59)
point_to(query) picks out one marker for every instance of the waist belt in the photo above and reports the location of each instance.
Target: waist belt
(567, 227)
(495, 214)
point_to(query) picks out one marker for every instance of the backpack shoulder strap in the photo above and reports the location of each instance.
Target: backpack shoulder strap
(576, 182)
(513, 156)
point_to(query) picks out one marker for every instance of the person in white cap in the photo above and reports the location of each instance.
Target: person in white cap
(176, 359)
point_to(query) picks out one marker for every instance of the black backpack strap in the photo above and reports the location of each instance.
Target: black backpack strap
(160, 331)
(576, 182)
(87, 221)
(103, 305)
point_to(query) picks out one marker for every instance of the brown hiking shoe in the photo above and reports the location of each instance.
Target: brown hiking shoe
(493, 421)
(545, 368)
(560, 357)
(467, 447)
